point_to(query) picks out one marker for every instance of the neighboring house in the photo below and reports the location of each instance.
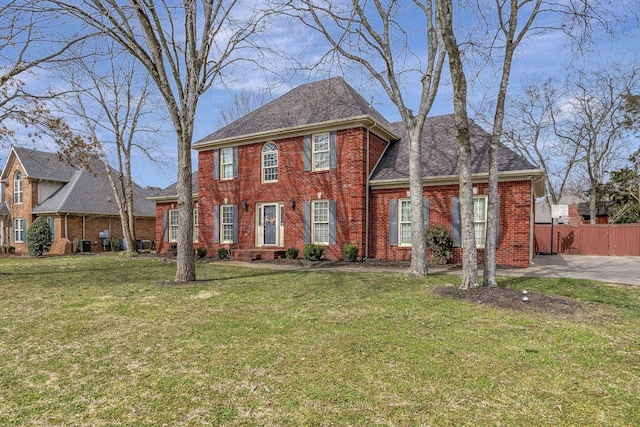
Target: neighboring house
(543, 210)
(602, 212)
(76, 202)
(320, 165)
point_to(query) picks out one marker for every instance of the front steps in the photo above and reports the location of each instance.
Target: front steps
(248, 255)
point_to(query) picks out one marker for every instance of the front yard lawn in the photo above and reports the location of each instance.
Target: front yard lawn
(105, 341)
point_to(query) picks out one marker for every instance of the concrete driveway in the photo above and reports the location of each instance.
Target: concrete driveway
(613, 269)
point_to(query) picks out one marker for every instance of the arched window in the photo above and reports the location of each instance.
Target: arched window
(269, 162)
(17, 188)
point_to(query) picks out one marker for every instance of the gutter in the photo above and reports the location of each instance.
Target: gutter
(293, 131)
(526, 174)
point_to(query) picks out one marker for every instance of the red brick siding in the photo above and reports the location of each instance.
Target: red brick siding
(515, 221)
(346, 185)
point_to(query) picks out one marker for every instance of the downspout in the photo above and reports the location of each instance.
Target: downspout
(532, 220)
(66, 226)
(366, 203)
(83, 226)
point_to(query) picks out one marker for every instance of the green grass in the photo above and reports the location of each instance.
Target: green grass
(101, 341)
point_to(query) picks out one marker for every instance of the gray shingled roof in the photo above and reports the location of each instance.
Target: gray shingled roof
(439, 156)
(312, 103)
(81, 191)
(43, 165)
(172, 190)
(88, 193)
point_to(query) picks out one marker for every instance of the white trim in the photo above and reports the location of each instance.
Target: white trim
(171, 226)
(228, 223)
(400, 222)
(486, 208)
(277, 164)
(314, 222)
(314, 152)
(365, 121)
(223, 177)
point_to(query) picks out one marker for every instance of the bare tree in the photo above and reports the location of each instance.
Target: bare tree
(185, 48)
(596, 122)
(112, 97)
(459, 81)
(241, 104)
(529, 129)
(28, 42)
(372, 36)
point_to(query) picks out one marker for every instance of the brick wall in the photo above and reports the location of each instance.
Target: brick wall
(515, 221)
(346, 185)
(22, 210)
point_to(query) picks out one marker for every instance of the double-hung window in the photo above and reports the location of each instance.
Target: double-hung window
(405, 222)
(320, 222)
(226, 163)
(320, 151)
(173, 225)
(480, 219)
(195, 225)
(226, 224)
(18, 230)
(269, 162)
(17, 188)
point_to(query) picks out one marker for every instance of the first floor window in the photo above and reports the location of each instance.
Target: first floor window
(320, 222)
(18, 230)
(226, 225)
(195, 225)
(173, 225)
(405, 222)
(480, 219)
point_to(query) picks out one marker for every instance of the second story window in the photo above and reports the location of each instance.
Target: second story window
(269, 162)
(320, 151)
(226, 163)
(17, 188)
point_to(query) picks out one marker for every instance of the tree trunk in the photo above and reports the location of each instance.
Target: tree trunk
(418, 238)
(459, 81)
(185, 266)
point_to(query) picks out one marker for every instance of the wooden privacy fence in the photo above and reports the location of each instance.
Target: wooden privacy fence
(589, 239)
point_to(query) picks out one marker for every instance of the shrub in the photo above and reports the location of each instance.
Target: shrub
(75, 248)
(313, 252)
(439, 242)
(350, 253)
(39, 237)
(223, 253)
(292, 253)
(202, 251)
(173, 249)
(114, 244)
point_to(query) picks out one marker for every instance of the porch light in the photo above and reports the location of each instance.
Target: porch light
(245, 206)
(292, 203)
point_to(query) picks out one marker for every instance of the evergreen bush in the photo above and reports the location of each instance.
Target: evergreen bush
(350, 253)
(313, 252)
(292, 253)
(440, 243)
(39, 237)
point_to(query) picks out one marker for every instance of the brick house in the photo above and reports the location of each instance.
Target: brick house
(77, 203)
(302, 170)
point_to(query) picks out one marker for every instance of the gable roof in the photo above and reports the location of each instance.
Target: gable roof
(81, 191)
(298, 111)
(170, 193)
(39, 165)
(439, 156)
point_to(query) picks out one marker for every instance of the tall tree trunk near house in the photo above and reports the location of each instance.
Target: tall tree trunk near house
(418, 239)
(459, 81)
(508, 27)
(185, 270)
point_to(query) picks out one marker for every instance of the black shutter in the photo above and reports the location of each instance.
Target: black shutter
(393, 222)
(456, 223)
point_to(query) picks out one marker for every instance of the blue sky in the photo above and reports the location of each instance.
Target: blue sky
(541, 53)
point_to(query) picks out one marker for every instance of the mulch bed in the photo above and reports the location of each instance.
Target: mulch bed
(512, 299)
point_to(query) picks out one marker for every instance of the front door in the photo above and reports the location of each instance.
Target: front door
(270, 221)
(269, 224)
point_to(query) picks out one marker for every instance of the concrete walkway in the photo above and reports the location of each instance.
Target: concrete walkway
(610, 269)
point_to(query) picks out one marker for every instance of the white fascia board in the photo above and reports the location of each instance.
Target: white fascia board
(366, 121)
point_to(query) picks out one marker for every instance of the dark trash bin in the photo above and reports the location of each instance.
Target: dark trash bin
(86, 246)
